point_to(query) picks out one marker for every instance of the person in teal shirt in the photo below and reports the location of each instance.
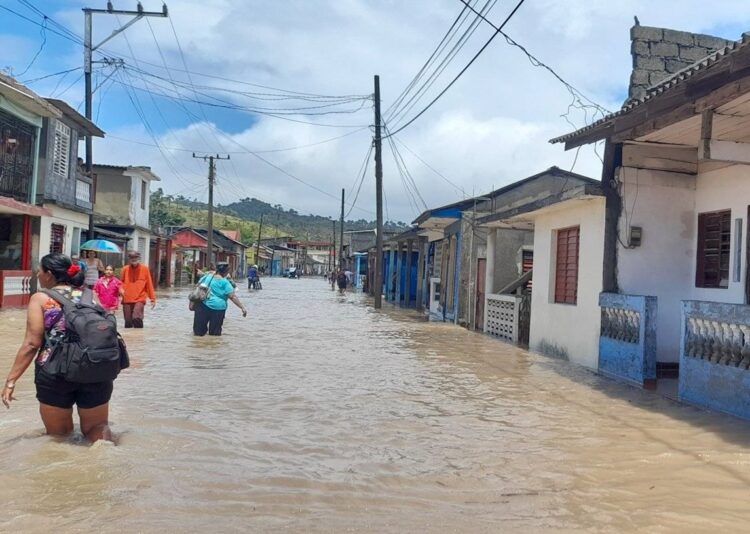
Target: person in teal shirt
(209, 314)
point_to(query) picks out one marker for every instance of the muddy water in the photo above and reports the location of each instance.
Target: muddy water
(318, 414)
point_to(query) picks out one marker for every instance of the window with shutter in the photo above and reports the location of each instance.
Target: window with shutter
(61, 152)
(566, 269)
(714, 243)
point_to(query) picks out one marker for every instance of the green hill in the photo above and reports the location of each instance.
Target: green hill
(245, 215)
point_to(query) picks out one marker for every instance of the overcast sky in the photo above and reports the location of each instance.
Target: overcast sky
(490, 129)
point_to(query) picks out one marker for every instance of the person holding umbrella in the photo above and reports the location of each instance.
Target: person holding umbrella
(94, 269)
(137, 288)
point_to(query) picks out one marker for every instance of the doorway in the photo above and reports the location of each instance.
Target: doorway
(480, 293)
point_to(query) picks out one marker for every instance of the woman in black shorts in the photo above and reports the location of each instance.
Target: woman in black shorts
(56, 395)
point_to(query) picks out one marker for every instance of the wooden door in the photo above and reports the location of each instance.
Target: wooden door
(479, 308)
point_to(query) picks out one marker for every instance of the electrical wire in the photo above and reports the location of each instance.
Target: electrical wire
(43, 33)
(361, 174)
(421, 71)
(458, 187)
(269, 151)
(446, 61)
(538, 63)
(473, 59)
(67, 71)
(32, 21)
(71, 35)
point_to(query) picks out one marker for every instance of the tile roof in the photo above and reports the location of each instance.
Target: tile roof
(665, 85)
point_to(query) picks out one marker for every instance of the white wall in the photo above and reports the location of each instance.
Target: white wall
(666, 205)
(137, 215)
(69, 219)
(565, 330)
(727, 188)
(663, 205)
(133, 244)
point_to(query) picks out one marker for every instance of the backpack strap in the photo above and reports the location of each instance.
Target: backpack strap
(58, 297)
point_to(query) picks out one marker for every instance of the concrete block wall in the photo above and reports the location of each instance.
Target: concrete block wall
(660, 52)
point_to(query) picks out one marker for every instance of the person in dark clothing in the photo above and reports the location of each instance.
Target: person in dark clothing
(342, 282)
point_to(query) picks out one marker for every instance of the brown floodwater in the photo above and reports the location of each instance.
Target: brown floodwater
(319, 414)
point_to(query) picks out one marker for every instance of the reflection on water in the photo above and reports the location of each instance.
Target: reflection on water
(317, 413)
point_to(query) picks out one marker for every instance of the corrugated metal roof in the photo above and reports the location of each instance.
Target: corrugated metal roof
(665, 85)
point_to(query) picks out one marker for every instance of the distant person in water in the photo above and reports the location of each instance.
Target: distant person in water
(342, 280)
(209, 314)
(45, 326)
(137, 288)
(252, 277)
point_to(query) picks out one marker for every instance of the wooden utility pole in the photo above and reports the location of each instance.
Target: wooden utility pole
(378, 279)
(334, 245)
(341, 233)
(257, 245)
(211, 180)
(88, 50)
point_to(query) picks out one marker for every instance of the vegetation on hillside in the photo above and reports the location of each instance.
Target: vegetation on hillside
(177, 210)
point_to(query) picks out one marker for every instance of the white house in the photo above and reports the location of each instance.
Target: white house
(568, 227)
(676, 178)
(121, 210)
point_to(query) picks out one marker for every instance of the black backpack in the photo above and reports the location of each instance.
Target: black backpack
(90, 350)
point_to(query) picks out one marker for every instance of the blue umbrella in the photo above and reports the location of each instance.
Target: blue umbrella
(100, 245)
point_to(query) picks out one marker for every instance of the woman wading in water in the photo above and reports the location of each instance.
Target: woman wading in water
(209, 314)
(56, 395)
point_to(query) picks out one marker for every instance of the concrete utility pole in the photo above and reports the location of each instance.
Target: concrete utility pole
(211, 180)
(341, 233)
(257, 245)
(88, 50)
(378, 281)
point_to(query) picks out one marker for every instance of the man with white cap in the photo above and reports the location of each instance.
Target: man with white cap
(138, 287)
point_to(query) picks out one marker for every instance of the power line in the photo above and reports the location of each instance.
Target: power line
(458, 187)
(446, 61)
(72, 35)
(577, 94)
(43, 33)
(417, 76)
(361, 174)
(269, 151)
(67, 71)
(32, 21)
(507, 19)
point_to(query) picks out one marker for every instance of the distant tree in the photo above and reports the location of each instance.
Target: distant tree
(161, 212)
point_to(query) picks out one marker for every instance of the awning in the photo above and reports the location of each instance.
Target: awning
(14, 207)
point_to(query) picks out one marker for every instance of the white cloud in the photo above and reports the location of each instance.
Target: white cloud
(491, 128)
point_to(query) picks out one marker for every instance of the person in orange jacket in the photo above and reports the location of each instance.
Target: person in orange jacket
(137, 287)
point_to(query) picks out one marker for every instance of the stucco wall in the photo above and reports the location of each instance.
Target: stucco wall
(139, 216)
(113, 192)
(727, 188)
(68, 218)
(551, 323)
(663, 205)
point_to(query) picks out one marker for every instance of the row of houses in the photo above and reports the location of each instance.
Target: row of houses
(641, 274)
(50, 203)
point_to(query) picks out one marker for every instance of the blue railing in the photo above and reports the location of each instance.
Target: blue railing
(627, 340)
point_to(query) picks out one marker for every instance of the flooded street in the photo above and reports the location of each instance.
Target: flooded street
(317, 413)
